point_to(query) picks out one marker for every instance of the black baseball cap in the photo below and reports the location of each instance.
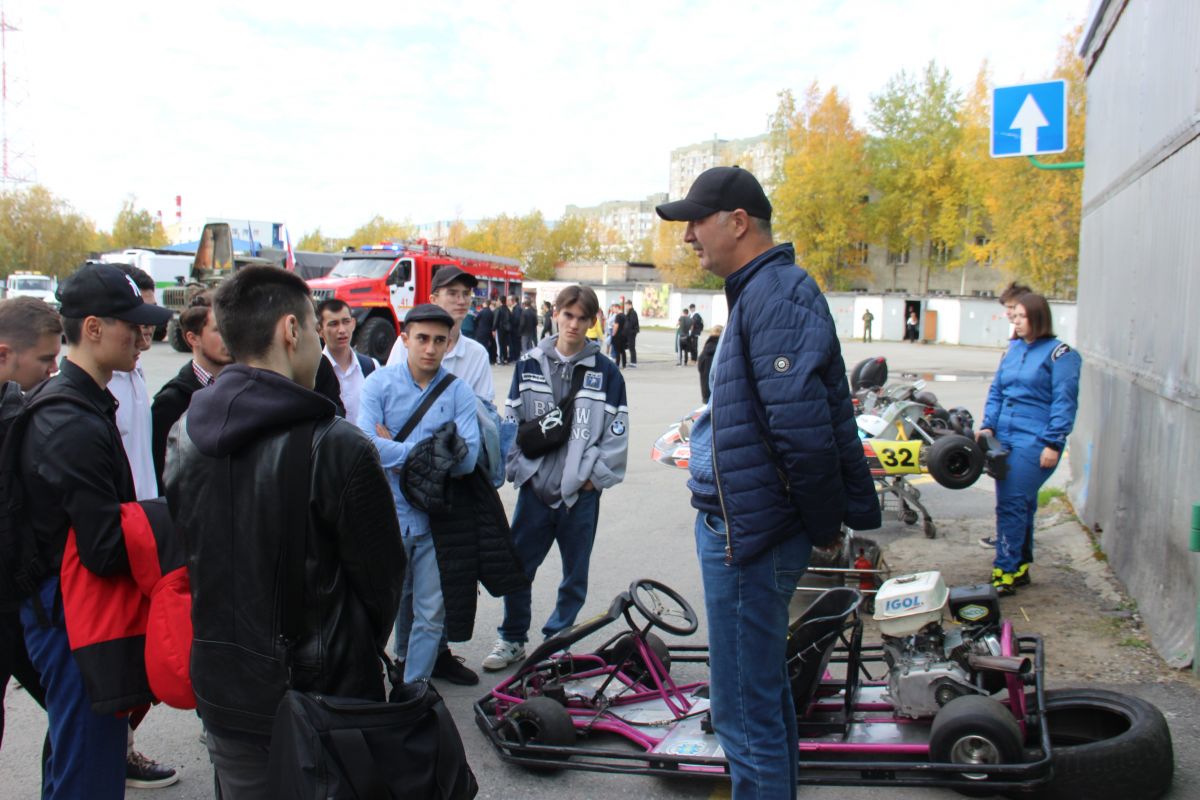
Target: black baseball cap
(428, 312)
(719, 189)
(102, 290)
(450, 274)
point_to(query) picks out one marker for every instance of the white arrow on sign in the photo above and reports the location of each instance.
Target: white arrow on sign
(1027, 121)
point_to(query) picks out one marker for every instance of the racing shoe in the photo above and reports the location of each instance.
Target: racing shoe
(145, 773)
(1022, 577)
(503, 654)
(1005, 584)
(450, 667)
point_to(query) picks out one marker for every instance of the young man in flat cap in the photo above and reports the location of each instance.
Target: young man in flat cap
(418, 397)
(74, 471)
(776, 467)
(467, 360)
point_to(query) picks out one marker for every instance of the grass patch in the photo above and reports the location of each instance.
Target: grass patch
(1134, 642)
(1048, 494)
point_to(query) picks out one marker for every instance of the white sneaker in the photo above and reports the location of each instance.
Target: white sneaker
(503, 654)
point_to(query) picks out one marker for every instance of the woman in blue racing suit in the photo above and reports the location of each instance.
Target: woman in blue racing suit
(1031, 410)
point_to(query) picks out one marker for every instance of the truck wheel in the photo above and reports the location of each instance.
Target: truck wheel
(174, 336)
(160, 333)
(955, 461)
(375, 339)
(977, 731)
(1105, 746)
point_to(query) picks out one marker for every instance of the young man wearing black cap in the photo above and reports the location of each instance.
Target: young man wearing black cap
(390, 398)
(232, 483)
(467, 360)
(75, 474)
(776, 466)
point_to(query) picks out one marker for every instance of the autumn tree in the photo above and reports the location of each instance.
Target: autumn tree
(41, 233)
(136, 227)
(911, 160)
(819, 203)
(378, 229)
(677, 261)
(316, 242)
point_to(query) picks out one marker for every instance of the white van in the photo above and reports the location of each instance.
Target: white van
(32, 284)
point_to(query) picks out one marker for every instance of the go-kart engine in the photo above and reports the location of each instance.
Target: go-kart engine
(927, 665)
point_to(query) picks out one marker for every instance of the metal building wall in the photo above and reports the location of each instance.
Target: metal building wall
(1133, 454)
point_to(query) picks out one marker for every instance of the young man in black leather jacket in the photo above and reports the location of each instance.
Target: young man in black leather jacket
(227, 491)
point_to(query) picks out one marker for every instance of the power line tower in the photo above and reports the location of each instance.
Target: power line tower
(16, 159)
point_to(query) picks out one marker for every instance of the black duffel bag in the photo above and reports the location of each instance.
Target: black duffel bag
(335, 747)
(339, 748)
(550, 431)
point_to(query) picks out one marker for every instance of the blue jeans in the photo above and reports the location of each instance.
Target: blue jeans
(751, 698)
(1016, 505)
(535, 527)
(421, 619)
(87, 750)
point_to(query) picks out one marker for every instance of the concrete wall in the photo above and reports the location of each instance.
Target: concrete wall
(1133, 464)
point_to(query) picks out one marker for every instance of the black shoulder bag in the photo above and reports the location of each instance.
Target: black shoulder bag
(420, 410)
(343, 748)
(550, 431)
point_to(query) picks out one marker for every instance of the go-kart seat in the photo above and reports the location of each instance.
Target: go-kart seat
(811, 639)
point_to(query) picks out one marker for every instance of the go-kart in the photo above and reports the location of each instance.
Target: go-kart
(953, 460)
(962, 706)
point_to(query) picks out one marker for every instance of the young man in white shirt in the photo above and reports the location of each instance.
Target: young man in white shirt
(136, 428)
(467, 360)
(350, 366)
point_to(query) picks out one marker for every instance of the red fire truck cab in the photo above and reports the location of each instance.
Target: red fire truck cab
(382, 282)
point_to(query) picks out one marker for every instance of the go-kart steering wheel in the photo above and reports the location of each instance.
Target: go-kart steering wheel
(648, 597)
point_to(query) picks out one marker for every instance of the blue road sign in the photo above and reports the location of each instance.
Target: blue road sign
(1029, 120)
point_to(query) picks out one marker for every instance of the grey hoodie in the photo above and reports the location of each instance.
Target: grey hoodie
(599, 443)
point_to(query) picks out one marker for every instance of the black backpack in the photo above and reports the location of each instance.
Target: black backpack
(21, 568)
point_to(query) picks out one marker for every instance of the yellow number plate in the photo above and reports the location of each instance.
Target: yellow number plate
(898, 458)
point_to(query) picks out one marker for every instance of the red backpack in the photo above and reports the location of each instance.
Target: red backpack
(141, 621)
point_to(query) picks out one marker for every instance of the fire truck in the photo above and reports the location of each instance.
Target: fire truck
(382, 282)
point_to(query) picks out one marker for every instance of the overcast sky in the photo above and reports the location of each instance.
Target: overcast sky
(328, 113)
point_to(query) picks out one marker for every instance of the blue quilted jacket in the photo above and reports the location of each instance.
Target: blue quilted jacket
(785, 446)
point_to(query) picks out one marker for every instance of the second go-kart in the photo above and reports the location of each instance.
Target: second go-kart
(961, 705)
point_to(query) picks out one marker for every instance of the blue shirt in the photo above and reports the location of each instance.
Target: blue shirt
(390, 396)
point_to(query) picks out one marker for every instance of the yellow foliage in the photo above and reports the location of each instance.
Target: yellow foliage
(819, 202)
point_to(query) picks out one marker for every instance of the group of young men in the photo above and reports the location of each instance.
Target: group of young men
(240, 461)
(257, 465)
(688, 329)
(507, 327)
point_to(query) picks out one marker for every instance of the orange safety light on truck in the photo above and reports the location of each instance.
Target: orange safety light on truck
(382, 282)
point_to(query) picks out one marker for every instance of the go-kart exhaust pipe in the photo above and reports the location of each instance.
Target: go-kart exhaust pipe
(1019, 665)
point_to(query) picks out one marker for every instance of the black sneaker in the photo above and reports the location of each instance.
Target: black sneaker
(450, 667)
(143, 773)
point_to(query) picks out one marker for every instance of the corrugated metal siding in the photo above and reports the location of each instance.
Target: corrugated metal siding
(1134, 459)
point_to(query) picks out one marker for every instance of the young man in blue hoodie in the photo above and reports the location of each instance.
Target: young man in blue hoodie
(232, 484)
(559, 492)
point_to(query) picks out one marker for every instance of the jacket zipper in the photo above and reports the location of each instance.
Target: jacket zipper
(712, 422)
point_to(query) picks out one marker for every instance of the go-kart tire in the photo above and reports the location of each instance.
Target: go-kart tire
(955, 461)
(636, 664)
(1105, 746)
(541, 720)
(975, 727)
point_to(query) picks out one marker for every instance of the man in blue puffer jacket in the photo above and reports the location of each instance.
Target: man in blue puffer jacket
(776, 467)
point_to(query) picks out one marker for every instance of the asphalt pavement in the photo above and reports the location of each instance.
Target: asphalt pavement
(645, 530)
